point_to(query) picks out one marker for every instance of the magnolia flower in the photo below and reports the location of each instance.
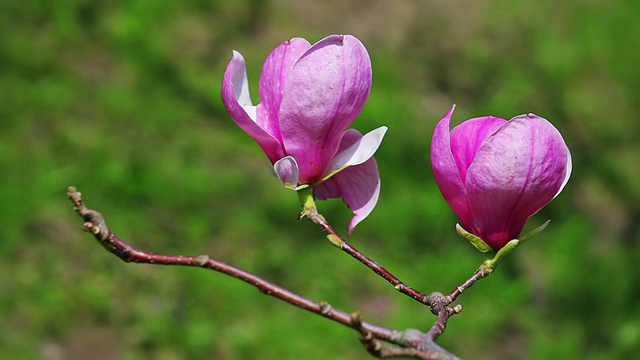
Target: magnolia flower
(495, 173)
(309, 96)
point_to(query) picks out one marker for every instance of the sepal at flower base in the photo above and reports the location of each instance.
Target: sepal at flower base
(476, 241)
(496, 256)
(507, 248)
(307, 202)
(534, 232)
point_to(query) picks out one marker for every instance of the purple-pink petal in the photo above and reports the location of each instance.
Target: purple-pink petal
(287, 171)
(326, 89)
(517, 171)
(237, 101)
(359, 188)
(467, 138)
(445, 170)
(275, 72)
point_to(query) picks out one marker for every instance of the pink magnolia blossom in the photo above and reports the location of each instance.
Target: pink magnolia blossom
(309, 96)
(495, 173)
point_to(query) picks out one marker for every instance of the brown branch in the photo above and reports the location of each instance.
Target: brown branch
(410, 343)
(437, 302)
(339, 241)
(483, 271)
(426, 350)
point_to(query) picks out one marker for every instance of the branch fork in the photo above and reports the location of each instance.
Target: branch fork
(379, 341)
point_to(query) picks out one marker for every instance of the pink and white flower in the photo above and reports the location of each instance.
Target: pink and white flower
(309, 96)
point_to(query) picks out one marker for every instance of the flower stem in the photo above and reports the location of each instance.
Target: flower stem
(310, 211)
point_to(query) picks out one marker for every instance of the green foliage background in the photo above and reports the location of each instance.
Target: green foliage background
(121, 98)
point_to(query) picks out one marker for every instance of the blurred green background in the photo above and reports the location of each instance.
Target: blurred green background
(122, 99)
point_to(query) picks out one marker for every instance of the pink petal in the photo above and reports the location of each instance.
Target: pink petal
(518, 170)
(275, 72)
(237, 101)
(287, 171)
(359, 188)
(445, 171)
(467, 138)
(326, 90)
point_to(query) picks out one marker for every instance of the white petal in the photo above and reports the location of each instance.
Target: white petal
(568, 173)
(356, 154)
(241, 85)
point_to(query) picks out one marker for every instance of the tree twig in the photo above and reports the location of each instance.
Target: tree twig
(437, 302)
(483, 271)
(336, 239)
(410, 343)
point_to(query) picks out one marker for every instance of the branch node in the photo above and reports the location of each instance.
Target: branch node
(356, 322)
(438, 301)
(457, 309)
(370, 343)
(325, 307)
(94, 222)
(203, 260)
(398, 337)
(88, 227)
(336, 241)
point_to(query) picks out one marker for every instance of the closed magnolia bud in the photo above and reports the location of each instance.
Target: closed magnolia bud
(495, 173)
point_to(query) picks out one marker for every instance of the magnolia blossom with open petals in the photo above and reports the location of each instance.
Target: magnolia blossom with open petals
(309, 96)
(495, 173)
